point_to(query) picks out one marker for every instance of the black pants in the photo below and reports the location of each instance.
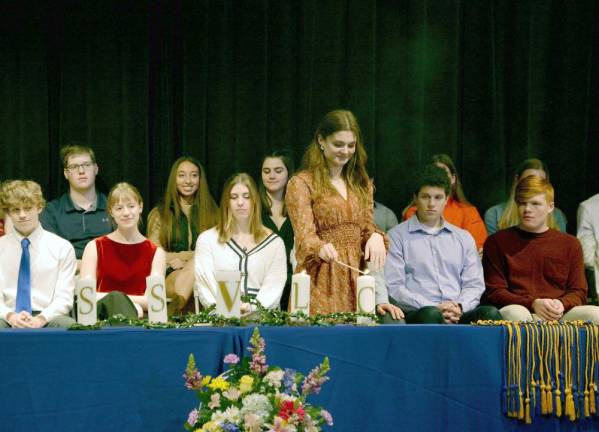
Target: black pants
(432, 315)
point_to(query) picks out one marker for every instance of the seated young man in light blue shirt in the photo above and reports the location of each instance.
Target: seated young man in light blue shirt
(433, 270)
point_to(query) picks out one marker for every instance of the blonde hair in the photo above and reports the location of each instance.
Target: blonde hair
(510, 217)
(531, 186)
(225, 223)
(120, 192)
(354, 171)
(203, 214)
(17, 193)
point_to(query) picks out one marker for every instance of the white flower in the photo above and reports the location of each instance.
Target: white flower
(282, 397)
(256, 404)
(231, 415)
(274, 378)
(232, 394)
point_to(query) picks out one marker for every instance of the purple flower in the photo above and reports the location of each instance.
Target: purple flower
(328, 418)
(289, 380)
(316, 378)
(193, 377)
(257, 345)
(231, 359)
(229, 427)
(193, 380)
(192, 418)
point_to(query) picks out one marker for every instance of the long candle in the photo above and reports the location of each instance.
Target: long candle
(299, 300)
(365, 297)
(85, 291)
(156, 297)
(228, 295)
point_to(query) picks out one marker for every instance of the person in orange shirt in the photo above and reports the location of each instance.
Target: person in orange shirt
(458, 211)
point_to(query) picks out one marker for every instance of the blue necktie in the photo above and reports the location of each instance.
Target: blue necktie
(24, 282)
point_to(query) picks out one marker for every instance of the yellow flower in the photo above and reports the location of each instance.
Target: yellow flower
(211, 426)
(218, 383)
(206, 380)
(245, 383)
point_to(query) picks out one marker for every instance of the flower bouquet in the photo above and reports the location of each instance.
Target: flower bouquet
(253, 397)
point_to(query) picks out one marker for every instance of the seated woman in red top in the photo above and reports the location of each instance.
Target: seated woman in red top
(458, 211)
(121, 260)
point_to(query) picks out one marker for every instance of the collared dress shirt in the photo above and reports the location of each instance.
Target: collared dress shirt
(62, 217)
(588, 231)
(53, 266)
(426, 267)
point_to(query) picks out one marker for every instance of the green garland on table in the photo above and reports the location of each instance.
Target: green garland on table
(262, 317)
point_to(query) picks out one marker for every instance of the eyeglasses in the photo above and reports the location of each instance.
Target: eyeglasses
(77, 167)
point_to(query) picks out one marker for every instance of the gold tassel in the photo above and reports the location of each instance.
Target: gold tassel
(549, 400)
(521, 411)
(570, 411)
(558, 403)
(528, 418)
(543, 400)
(592, 407)
(586, 404)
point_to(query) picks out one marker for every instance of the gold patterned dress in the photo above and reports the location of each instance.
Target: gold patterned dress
(329, 219)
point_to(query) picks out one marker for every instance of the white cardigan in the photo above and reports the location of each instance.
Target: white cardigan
(264, 268)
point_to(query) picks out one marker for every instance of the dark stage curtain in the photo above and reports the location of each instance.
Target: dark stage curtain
(488, 82)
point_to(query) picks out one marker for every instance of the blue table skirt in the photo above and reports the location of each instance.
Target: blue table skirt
(385, 378)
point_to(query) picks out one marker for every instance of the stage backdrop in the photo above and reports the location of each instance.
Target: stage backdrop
(488, 82)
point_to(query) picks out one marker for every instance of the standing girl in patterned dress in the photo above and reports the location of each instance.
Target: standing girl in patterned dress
(330, 205)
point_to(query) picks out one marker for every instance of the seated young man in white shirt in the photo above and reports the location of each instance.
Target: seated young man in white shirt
(588, 234)
(37, 268)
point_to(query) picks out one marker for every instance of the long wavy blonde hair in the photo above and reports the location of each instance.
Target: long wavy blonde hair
(354, 171)
(224, 227)
(510, 218)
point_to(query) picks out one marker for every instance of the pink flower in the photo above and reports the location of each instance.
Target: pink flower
(192, 418)
(328, 418)
(214, 401)
(257, 345)
(316, 378)
(231, 359)
(280, 425)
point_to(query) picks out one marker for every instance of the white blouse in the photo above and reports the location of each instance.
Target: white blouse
(263, 268)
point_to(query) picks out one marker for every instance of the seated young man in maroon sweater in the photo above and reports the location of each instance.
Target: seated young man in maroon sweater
(533, 272)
